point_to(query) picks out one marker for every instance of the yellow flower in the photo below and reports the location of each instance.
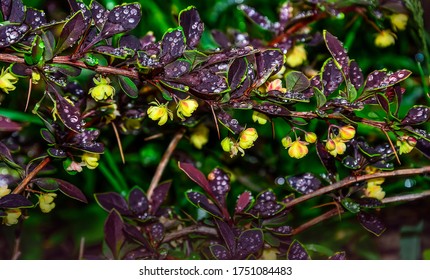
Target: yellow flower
(12, 217)
(296, 56)
(259, 118)
(347, 132)
(399, 21)
(270, 254)
(247, 138)
(375, 182)
(102, 90)
(226, 144)
(90, 160)
(7, 81)
(385, 38)
(310, 137)
(186, 107)
(286, 142)
(406, 144)
(374, 191)
(335, 146)
(4, 190)
(35, 77)
(159, 112)
(276, 85)
(298, 149)
(371, 170)
(199, 136)
(46, 202)
(132, 123)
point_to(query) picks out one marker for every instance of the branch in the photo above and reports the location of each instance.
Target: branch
(327, 215)
(406, 197)
(20, 188)
(164, 160)
(351, 180)
(196, 229)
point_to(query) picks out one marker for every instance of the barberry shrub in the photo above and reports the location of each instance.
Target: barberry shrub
(260, 133)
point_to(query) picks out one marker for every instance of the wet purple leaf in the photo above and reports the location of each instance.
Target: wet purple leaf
(121, 19)
(189, 20)
(201, 201)
(371, 223)
(250, 242)
(297, 252)
(266, 205)
(194, 174)
(229, 122)
(237, 72)
(114, 234)
(355, 74)
(338, 256)
(159, 195)
(305, 184)
(35, 18)
(14, 201)
(72, 30)
(338, 52)
(219, 184)
(137, 201)
(172, 45)
(243, 202)
(11, 34)
(111, 200)
(272, 109)
(220, 252)
(177, 68)
(99, 14)
(156, 232)
(418, 114)
(257, 18)
(331, 77)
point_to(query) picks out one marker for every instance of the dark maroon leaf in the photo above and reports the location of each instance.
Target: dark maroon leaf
(77, 6)
(72, 30)
(327, 160)
(315, 82)
(120, 19)
(156, 231)
(205, 82)
(272, 109)
(305, 183)
(11, 34)
(85, 141)
(268, 62)
(99, 14)
(353, 162)
(355, 74)
(67, 70)
(338, 52)
(237, 72)
(172, 45)
(331, 77)
(6, 6)
(220, 252)
(14, 201)
(238, 92)
(69, 114)
(13, 11)
(338, 256)
(250, 242)
(418, 114)
(130, 42)
(189, 20)
(57, 153)
(221, 39)
(71, 190)
(219, 184)
(114, 234)
(297, 252)
(111, 200)
(201, 201)
(231, 54)
(227, 235)
(177, 68)
(369, 202)
(243, 202)
(371, 223)
(5, 154)
(423, 145)
(35, 18)
(159, 195)
(259, 19)
(266, 205)
(120, 52)
(137, 201)
(383, 101)
(374, 79)
(282, 230)
(231, 124)
(195, 175)
(133, 233)
(285, 14)
(46, 184)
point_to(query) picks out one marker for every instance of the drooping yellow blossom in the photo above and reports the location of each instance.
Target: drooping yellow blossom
(4, 190)
(12, 216)
(347, 132)
(186, 107)
(335, 146)
(310, 137)
(159, 112)
(46, 202)
(247, 138)
(286, 142)
(276, 85)
(102, 89)
(7, 81)
(399, 21)
(373, 188)
(35, 77)
(90, 160)
(385, 38)
(296, 56)
(298, 149)
(259, 118)
(226, 144)
(406, 144)
(199, 136)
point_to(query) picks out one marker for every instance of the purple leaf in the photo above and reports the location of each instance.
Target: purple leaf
(331, 76)
(250, 242)
(99, 14)
(46, 184)
(383, 101)
(220, 252)
(159, 195)
(231, 124)
(120, 52)
(268, 62)
(371, 223)
(6, 125)
(219, 184)
(130, 42)
(71, 190)
(137, 201)
(13, 11)
(113, 230)
(237, 72)
(72, 30)
(243, 202)
(380, 79)
(35, 18)
(297, 252)
(423, 145)
(69, 114)
(257, 18)
(305, 184)
(11, 34)
(172, 45)
(133, 233)
(121, 19)
(201, 201)
(14, 201)
(221, 39)
(111, 200)
(338, 256)
(355, 74)
(338, 52)
(156, 231)
(177, 68)
(5, 154)
(189, 20)
(57, 153)
(327, 160)
(205, 82)
(227, 235)
(417, 115)
(285, 14)
(266, 205)
(195, 175)
(128, 86)
(374, 79)
(282, 230)
(369, 202)
(272, 109)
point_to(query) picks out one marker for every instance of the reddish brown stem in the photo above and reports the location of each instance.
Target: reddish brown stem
(21, 187)
(327, 215)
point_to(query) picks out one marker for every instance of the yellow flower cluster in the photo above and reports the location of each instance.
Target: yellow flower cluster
(7, 81)
(184, 109)
(46, 202)
(12, 216)
(386, 38)
(335, 145)
(4, 190)
(298, 149)
(246, 140)
(90, 160)
(373, 188)
(102, 89)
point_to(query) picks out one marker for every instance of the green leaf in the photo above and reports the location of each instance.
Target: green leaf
(128, 86)
(320, 97)
(351, 205)
(351, 91)
(195, 57)
(296, 81)
(37, 50)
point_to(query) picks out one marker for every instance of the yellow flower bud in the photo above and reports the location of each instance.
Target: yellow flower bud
(374, 191)
(199, 136)
(247, 138)
(46, 202)
(406, 144)
(226, 144)
(296, 56)
(159, 112)
(186, 107)
(259, 118)
(310, 137)
(385, 39)
(286, 142)
(102, 90)
(4, 190)
(12, 217)
(298, 149)
(276, 85)
(336, 146)
(35, 77)
(7, 81)
(90, 160)
(399, 21)
(347, 132)
(330, 145)
(375, 182)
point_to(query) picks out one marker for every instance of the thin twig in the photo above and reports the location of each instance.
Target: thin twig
(351, 180)
(118, 139)
(406, 197)
(31, 175)
(16, 251)
(81, 248)
(327, 215)
(164, 160)
(195, 229)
